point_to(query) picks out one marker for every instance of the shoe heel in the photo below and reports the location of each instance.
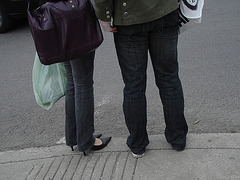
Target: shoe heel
(84, 153)
(72, 148)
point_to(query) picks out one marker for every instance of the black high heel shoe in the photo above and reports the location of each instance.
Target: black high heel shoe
(105, 142)
(95, 136)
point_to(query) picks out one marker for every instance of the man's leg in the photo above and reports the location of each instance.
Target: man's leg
(163, 50)
(132, 51)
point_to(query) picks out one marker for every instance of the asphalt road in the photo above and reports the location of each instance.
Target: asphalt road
(209, 69)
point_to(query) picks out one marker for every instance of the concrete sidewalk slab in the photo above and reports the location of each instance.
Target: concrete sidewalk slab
(204, 164)
(208, 156)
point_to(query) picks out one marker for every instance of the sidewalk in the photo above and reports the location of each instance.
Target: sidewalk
(207, 157)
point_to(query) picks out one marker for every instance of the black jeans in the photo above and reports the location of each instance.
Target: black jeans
(160, 38)
(79, 105)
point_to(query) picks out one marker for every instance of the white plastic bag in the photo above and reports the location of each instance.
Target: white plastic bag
(190, 13)
(49, 83)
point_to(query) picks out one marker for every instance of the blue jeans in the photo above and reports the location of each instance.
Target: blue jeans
(159, 38)
(79, 105)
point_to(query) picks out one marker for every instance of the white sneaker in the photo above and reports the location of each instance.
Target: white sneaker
(138, 155)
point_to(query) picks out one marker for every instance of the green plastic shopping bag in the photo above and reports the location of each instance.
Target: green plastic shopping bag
(49, 83)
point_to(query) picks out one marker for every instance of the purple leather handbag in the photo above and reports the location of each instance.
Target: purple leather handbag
(64, 30)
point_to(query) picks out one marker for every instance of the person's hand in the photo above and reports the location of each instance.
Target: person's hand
(107, 26)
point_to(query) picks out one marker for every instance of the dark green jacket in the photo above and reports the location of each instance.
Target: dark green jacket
(128, 12)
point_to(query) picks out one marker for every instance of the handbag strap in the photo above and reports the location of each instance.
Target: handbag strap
(34, 4)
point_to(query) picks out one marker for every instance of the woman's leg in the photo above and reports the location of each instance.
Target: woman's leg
(80, 128)
(70, 122)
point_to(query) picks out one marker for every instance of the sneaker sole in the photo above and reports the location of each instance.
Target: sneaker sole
(138, 155)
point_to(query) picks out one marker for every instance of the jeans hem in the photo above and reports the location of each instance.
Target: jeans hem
(88, 146)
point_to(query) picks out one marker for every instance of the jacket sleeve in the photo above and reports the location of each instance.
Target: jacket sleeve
(104, 9)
